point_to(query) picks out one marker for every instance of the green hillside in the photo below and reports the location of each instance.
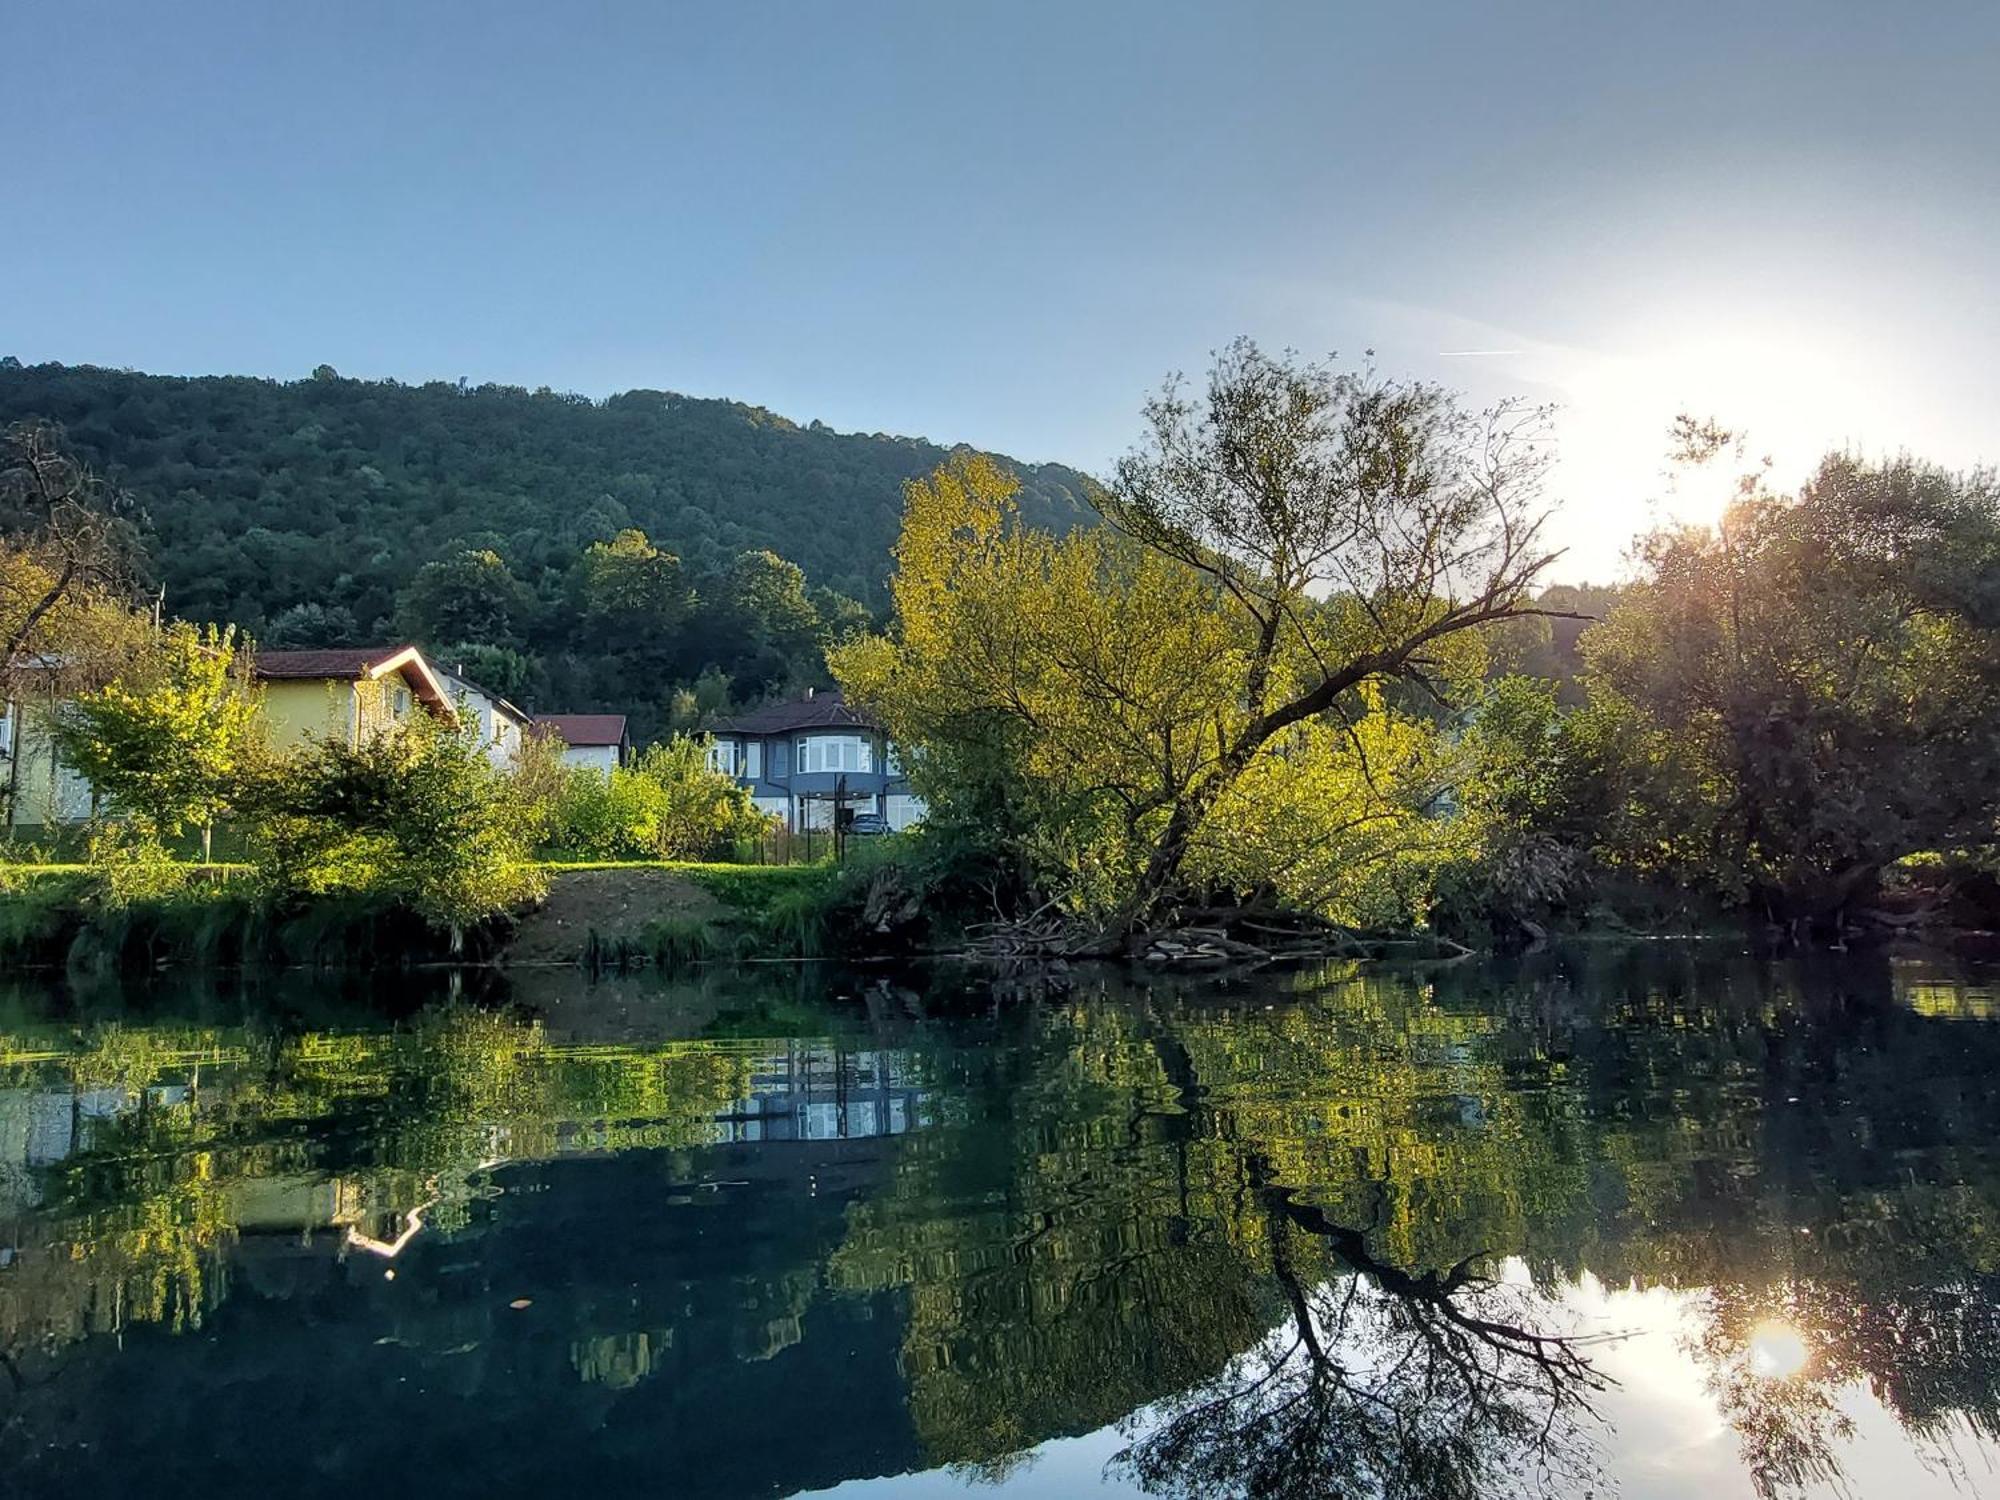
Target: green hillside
(305, 510)
(263, 494)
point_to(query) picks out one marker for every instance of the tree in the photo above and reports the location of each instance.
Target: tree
(627, 592)
(513, 674)
(769, 594)
(669, 805)
(418, 813)
(702, 813)
(167, 743)
(307, 625)
(1199, 698)
(467, 597)
(1549, 646)
(1817, 680)
(1421, 520)
(65, 561)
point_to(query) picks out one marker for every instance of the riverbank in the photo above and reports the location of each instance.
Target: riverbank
(610, 917)
(598, 916)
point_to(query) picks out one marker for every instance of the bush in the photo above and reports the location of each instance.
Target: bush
(669, 805)
(132, 865)
(419, 815)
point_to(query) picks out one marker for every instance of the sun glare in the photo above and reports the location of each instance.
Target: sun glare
(1777, 1350)
(1793, 396)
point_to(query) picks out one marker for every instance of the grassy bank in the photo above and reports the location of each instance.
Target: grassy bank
(65, 919)
(602, 914)
(622, 915)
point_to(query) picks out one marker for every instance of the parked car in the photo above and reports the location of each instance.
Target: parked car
(868, 824)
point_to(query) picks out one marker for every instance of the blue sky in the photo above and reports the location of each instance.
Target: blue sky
(1004, 224)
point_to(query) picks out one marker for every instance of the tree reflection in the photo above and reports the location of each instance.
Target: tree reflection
(1380, 1383)
(1265, 1217)
(1929, 1352)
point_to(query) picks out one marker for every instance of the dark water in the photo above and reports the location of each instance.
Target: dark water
(1658, 1222)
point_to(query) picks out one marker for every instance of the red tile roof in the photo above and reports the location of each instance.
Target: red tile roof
(337, 661)
(583, 729)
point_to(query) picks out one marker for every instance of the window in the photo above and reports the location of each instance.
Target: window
(892, 759)
(835, 752)
(753, 761)
(722, 757)
(402, 702)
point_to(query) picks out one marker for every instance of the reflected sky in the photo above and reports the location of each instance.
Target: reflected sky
(1671, 1219)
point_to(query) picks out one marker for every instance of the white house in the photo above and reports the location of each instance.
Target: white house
(501, 725)
(595, 740)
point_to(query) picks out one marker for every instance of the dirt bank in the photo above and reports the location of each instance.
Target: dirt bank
(613, 904)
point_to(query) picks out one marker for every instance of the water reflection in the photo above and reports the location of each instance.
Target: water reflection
(1323, 1234)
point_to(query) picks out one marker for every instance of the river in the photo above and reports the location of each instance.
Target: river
(1656, 1220)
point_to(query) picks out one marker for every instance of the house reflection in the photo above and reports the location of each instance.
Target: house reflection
(813, 1092)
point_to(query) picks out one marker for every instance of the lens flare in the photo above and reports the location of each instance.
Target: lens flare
(1777, 1351)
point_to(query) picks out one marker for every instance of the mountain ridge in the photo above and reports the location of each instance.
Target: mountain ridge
(263, 494)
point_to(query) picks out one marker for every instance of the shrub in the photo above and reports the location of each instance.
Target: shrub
(669, 805)
(419, 814)
(132, 865)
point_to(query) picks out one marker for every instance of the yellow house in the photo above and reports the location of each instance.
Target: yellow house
(345, 693)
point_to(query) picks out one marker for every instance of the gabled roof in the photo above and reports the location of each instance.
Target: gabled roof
(352, 662)
(356, 664)
(820, 710)
(583, 729)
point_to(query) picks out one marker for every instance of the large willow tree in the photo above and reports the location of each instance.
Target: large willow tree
(1233, 687)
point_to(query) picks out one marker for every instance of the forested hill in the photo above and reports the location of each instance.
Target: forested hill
(264, 495)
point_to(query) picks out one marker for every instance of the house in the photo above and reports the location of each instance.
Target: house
(346, 693)
(40, 789)
(343, 693)
(501, 725)
(808, 758)
(595, 740)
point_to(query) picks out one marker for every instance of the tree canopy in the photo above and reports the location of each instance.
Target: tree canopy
(1215, 693)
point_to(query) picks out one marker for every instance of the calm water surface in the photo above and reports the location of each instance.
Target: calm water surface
(1650, 1222)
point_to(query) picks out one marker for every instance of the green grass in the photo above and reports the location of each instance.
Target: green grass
(56, 914)
(64, 920)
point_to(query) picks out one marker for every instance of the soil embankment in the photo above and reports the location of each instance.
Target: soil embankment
(612, 904)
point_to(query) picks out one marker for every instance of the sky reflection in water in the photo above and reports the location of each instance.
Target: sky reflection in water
(1669, 1217)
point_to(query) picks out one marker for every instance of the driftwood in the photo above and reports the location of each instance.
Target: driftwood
(1200, 937)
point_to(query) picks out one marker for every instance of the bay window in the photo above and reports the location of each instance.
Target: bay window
(835, 752)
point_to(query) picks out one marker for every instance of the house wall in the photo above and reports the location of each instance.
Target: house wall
(44, 790)
(297, 712)
(499, 731)
(294, 714)
(596, 757)
(801, 798)
(384, 703)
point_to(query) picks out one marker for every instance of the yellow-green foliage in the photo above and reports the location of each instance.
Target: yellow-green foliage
(166, 741)
(132, 866)
(1071, 693)
(669, 805)
(419, 814)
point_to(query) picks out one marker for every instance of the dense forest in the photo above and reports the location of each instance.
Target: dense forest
(307, 512)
